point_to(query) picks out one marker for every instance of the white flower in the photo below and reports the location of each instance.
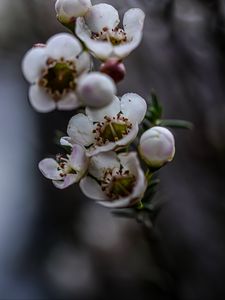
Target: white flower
(99, 30)
(53, 71)
(111, 127)
(157, 146)
(96, 89)
(116, 180)
(65, 171)
(68, 10)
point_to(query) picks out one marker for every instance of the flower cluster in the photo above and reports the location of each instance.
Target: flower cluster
(115, 145)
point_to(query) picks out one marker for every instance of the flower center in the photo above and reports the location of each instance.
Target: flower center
(63, 166)
(58, 78)
(112, 129)
(115, 36)
(119, 185)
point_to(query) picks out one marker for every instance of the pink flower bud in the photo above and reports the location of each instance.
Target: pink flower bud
(114, 68)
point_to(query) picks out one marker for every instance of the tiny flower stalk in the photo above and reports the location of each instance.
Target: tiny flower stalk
(157, 147)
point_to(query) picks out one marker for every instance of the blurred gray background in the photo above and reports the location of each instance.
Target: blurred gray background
(56, 244)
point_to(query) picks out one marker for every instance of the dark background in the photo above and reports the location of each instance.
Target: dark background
(57, 244)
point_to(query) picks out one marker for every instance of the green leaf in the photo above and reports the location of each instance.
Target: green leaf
(175, 124)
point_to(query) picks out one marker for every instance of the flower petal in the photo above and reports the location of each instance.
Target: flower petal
(69, 102)
(40, 100)
(133, 25)
(134, 107)
(68, 180)
(48, 168)
(78, 160)
(33, 63)
(83, 63)
(80, 130)
(92, 189)
(63, 45)
(127, 139)
(110, 110)
(94, 150)
(133, 22)
(66, 141)
(101, 16)
(100, 49)
(102, 162)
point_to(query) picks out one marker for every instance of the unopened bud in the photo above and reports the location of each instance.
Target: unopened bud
(157, 146)
(114, 68)
(68, 10)
(96, 90)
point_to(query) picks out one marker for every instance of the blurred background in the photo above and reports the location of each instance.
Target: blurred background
(57, 244)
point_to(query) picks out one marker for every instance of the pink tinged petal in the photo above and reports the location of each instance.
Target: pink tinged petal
(33, 63)
(83, 63)
(100, 49)
(69, 102)
(92, 189)
(127, 139)
(40, 100)
(101, 16)
(48, 168)
(110, 110)
(80, 129)
(78, 160)
(102, 162)
(96, 89)
(134, 107)
(63, 45)
(68, 180)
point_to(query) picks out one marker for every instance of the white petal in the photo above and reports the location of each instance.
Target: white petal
(133, 24)
(63, 45)
(78, 160)
(83, 63)
(48, 168)
(134, 107)
(40, 100)
(110, 110)
(100, 49)
(96, 89)
(80, 130)
(66, 141)
(129, 161)
(102, 162)
(94, 150)
(92, 189)
(100, 16)
(67, 181)
(69, 102)
(33, 63)
(127, 139)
